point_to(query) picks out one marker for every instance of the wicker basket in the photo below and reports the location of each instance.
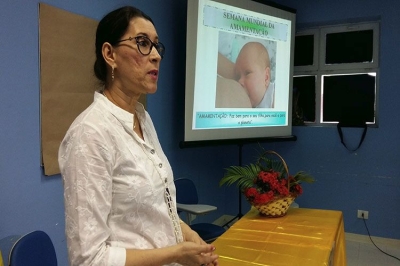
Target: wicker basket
(279, 206)
(275, 208)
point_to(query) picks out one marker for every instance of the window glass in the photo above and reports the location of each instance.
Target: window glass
(349, 98)
(304, 50)
(303, 99)
(349, 47)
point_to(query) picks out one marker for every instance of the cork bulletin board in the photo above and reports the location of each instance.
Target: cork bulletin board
(67, 81)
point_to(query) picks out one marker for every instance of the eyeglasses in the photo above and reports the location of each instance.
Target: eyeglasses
(145, 45)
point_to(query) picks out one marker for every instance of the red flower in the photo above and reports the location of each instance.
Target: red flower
(263, 198)
(251, 192)
(268, 185)
(297, 189)
(268, 177)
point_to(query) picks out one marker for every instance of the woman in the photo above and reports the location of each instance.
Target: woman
(118, 185)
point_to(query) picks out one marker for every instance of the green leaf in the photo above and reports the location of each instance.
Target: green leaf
(243, 176)
(268, 161)
(304, 177)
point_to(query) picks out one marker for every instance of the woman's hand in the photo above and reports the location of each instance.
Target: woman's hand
(185, 253)
(191, 236)
(192, 254)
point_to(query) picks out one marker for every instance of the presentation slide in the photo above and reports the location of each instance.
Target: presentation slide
(242, 72)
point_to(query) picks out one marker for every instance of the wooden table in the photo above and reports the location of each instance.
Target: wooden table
(303, 237)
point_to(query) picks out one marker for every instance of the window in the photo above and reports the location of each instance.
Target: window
(336, 74)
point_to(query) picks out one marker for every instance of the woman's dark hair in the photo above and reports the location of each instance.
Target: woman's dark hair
(110, 29)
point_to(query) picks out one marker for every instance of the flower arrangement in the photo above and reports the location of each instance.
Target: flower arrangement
(267, 182)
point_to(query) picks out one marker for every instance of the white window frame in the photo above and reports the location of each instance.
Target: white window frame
(349, 28)
(320, 69)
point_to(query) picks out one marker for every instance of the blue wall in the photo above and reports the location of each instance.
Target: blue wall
(367, 180)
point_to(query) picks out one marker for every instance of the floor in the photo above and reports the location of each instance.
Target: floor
(361, 252)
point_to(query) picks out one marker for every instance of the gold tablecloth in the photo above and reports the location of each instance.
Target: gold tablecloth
(306, 237)
(1, 260)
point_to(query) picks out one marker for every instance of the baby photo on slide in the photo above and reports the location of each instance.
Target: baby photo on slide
(245, 72)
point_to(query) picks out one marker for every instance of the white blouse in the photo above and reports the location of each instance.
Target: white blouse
(114, 186)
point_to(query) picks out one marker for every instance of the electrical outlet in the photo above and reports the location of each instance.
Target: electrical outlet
(360, 214)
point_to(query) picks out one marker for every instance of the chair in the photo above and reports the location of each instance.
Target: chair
(6, 244)
(188, 201)
(33, 249)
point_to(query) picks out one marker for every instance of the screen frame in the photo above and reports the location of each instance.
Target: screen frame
(233, 135)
